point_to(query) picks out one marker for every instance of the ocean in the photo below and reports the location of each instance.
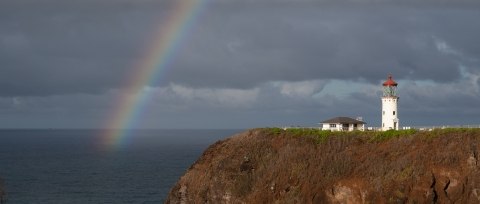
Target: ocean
(76, 166)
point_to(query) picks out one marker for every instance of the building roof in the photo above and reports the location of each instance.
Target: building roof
(343, 120)
(389, 82)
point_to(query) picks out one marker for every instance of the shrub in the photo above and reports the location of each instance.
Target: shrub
(3, 193)
(243, 184)
(276, 130)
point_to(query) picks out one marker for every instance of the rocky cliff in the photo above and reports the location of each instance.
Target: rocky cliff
(309, 166)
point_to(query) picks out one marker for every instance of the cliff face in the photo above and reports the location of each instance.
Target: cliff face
(266, 166)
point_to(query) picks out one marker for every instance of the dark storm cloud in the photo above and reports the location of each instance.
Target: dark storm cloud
(62, 47)
(351, 43)
(59, 47)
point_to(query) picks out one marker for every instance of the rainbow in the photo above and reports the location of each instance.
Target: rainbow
(159, 56)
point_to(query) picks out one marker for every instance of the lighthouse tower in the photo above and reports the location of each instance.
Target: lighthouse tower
(389, 105)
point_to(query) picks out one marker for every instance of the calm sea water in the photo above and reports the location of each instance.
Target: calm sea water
(76, 166)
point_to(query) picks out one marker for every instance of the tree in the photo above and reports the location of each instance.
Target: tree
(3, 193)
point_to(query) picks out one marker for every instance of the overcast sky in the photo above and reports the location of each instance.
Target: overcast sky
(243, 63)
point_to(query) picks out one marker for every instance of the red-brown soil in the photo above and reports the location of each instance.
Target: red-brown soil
(264, 166)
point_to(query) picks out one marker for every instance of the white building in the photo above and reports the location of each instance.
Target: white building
(389, 105)
(343, 124)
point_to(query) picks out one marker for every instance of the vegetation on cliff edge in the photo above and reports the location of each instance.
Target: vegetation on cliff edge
(3, 193)
(373, 136)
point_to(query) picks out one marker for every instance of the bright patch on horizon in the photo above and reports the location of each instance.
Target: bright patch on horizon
(341, 88)
(302, 89)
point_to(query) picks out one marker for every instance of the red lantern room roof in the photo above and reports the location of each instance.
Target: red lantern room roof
(389, 82)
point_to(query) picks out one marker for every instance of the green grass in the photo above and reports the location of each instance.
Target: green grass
(372, 136)
(318, 135)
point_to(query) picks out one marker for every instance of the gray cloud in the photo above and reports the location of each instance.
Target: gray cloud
(364, 43)
(57, 46)
(249, 59)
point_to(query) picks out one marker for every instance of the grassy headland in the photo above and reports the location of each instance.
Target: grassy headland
(269, 165)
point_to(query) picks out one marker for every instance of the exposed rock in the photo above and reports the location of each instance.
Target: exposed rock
(472, 162)
(347, 192)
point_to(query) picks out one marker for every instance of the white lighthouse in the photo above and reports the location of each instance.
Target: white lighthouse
(389, 105)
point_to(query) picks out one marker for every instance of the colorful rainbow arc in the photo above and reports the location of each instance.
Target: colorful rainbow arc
(168, 41)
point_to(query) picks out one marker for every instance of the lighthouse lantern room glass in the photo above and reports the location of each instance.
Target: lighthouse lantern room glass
(389, 91)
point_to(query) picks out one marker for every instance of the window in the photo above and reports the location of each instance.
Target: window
(393, 112)
(383, 124)
(383, 112)
(333, 125)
